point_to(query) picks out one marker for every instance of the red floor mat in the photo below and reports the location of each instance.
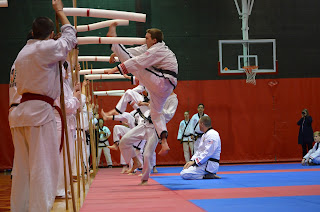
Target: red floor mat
(112, 191)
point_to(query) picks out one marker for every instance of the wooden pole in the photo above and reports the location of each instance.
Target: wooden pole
(62, 105)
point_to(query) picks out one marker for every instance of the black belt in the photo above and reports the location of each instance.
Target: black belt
(103, 141)
(199, 134)
(214, 160)
(145, 118)
(185, 136)
(166, 72)
(14, 105)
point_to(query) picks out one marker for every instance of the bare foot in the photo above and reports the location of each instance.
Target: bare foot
(136, 164)
(155, 170)
(124, 169)
(164, 147)
(144, 182)
(133, 173)
(114, 147)
(112, 30)
(112, 112)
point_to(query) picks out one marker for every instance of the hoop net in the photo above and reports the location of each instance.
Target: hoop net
(251, 74)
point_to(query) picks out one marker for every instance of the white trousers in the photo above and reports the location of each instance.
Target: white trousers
(85, 154)
(159, 90)
(36, 158)
(127, 97)
(106, 152)
(186, 152)
(146, 132)
(197, 172)
(71, 139)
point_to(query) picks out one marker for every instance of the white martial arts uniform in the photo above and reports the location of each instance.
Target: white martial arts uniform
(184, 134)
(71, 106)
(132, 119)
(195, 130)
(128, 96)
(36, 157)
(146, 131)
(314, 154)
(103, 145)
(118, 132)
(85, 145)
(14, 98)
(206, 157)
(146, 65)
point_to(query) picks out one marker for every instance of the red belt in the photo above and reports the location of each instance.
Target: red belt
(47, 99)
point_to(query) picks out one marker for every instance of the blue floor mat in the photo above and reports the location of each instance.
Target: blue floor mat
(244, 167)
(242, 180)
(261, 204)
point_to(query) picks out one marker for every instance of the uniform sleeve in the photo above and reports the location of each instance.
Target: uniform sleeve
(107, 131)
(211, 145)
(71, 103)
(316, 153)
(308, 154)
(180, 132)
(57, 50)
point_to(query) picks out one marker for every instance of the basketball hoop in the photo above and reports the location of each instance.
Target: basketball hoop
(251, 74)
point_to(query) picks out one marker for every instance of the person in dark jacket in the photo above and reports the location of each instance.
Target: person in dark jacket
(305, 137)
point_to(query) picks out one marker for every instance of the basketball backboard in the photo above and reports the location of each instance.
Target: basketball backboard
(235, 54)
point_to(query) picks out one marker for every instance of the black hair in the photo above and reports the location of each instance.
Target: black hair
(201, 104)
(42, 27)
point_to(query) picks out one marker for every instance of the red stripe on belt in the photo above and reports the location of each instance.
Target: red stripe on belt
(88, 12)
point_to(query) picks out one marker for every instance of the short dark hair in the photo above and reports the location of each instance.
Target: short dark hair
(201, 104)
(206, 120)
(156, 34)
(42, 28)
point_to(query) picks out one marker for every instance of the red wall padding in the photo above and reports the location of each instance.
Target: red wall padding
(256, 123)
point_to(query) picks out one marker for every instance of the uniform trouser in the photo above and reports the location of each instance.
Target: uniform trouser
(141, 132)
(197, 172)
(85, 153)
(36, 158)
(159, 90)
(127, 97)
(118, 132)
(106, 152)
(316, 160)
(196, 145)
(149, 154)
(186, 145)
(71, 139)
(139, 147)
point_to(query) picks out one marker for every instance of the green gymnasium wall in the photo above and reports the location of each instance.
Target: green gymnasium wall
(256, 123)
